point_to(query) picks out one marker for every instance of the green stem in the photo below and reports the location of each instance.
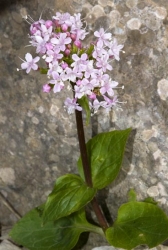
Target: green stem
(87, 168)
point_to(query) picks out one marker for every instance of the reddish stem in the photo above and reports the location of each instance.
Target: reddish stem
(87, 168)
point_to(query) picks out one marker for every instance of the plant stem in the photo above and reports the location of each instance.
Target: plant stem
(83, 151)
(87, 168)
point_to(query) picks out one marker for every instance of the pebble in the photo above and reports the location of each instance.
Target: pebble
(153, 191)
(134, 24)
(7, 245)
(54, 110)
(103, 3)
(161, 12)
(131, 3)
(162, 89)
(115, 16)
(148, 134)
(35, 120)
(98, 11)
(162, 189)
(7, 176)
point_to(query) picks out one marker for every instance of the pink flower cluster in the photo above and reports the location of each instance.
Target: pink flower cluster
(59, 43)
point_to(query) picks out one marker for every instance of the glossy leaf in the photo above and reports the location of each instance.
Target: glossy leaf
(138, 223)
(62, 234)
(83, 102)
(105, 153)
(70, 194)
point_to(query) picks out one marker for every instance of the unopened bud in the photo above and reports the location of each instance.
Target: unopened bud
(73, 37)
(78, 44)
(48, 23)
(64, 27)
(67, 52)
(69, 46)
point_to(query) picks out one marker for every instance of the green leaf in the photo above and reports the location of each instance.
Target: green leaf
(74, 49)
(150, 200)
(62, 234)
(43, 71)
(83, 102)
(90, 50)
(105, 153)
(138, 223)
(132, 195)
(70, 194)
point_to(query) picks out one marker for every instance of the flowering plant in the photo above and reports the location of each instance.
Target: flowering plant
(59, 222)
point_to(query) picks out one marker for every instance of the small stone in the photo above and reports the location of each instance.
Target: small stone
(134, 24)
(54, 110)
(162, 190)
(162, 201)
(131, 3)
(7, 245)
(153, 191)
(161, 12)
(152, 22)
(35, 120)
(3, 119)
(103, 2)
(23, 12)
(157, 154)
(162, 89)
(98, 11)
(41, 109)
(110, 3)
(114, 15)
(7, 176)
(148, 134)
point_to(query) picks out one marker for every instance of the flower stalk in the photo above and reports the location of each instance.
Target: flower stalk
(87, 168)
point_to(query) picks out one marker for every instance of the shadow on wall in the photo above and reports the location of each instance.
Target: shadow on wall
(4, 4)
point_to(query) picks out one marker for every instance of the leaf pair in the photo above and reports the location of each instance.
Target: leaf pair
(70, 192)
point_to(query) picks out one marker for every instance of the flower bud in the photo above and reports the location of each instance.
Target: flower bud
(68, 34)
(48, 23)
(73, 37)
(78, 44)
(69, 46)
(67, 52)
(64, 27)
(56, 23)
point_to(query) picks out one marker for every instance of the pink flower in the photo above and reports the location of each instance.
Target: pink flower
(102, 37)
(103, 63)
(46, 88)
(107, 87)
(71, 105)
(114, 49)
(30, 63)
(62, 41)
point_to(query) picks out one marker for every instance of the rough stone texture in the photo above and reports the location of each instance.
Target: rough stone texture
(38, 137)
